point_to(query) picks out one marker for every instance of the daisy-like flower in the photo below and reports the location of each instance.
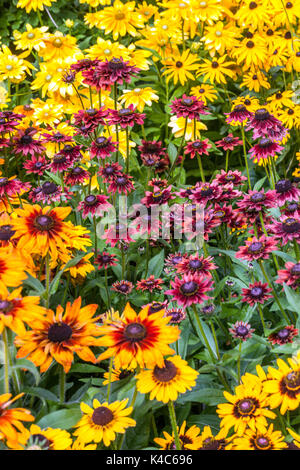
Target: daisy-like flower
(139, 98)
(105, 260)
(102, 421)
(102, 147)
(257, 292)
(110, 171)
(121, 183)
(189, 438)
(122, 287)
(167, 382)
(241, 330)
(286, 191)
(125, 117)
(257, 248)
(295, 444)
(290, 275)
(103, 75)
(190, 289)
(12, 186)
(36, 165)
(210, 442)
(11, 425)
(204, 92)
(44, 230)
(239, 115)
(25, 144)
(150, 284)
(206, 192)
(89, 119)
(76, 175)
(228, 142)
(284, 335)
(188, 107)
(177, 315)
(196, 264)
(36, 438)
(264, 149)
(259, 439)
(94, 205)
(198, 147)
(34, 4)
(232, 176)
(31, 38)
(9, 121)
(216, 70)
(138, 339)
(258, 200)
(265, 124)
(117, 374)
(247, 408)
(283, 385)
(16, 309)
(286, 229)
(179, 67)
(59, 335)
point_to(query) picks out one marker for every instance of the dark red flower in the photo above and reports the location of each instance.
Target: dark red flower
(60, 162)
(190, 289)
(36, 165)
(87, 120)
(290, 275)
(265, 124)
(125, 117)
(264, 149)
(9, 121)
(257, 248)
(123, 287)
(239, 114)
(197, 147)
(150, 284)
(234, 177)
(177, 315)
(257, 292)
(157, 197)
(286, 191)
(76, 175)
(286, 229)
(121, 184)
(228, 142)
(25, 144)
(258, 200)
(205, 192)
(196, 264)
(102, 147)
(105, 260)
(241, 330)
(284, 335)
(110, 171)
(105, 74)
(188, 107)
(94, 205)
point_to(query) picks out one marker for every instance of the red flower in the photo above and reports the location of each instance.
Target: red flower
(241, 330)
(197, 147)
(94, 205)
(258, 200)
(257, 248)
(188, 107)
(196, 264)
(121, 183)
(36, 165)
(265, 148)
(105, 260)
(76, 175)
(150, 284)
(190, 289)
(235, 177)
(265, 124)
(257, 292)
(228, 142)
(102, 147)
(25, 144)
(286, 229)
(125, 117)
(286, 191)
(290, 275)
(105, 74)
(284, 335)
(123, 287)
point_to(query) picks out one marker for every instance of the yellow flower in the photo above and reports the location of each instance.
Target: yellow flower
(208, 11)
(82, 268)
(204, 92)
(216, 70)
(263, 439)
(290, 117)
(101, 422)
(4, 98)
(251, 53)
(255, 81)
(32, 38)
(104, 49)
(179, 67)
(48, 113)
(178, 125)
(220, 38)
(139, 97)
(69, 23)
(13, 67)
(36, 438)
(50, 78)
(146, 10)
(253, 15)
(120, 19)
(296, 437)
(165, 383)
(60, 46)
(210, 442)
(189, 438)
(34, 4)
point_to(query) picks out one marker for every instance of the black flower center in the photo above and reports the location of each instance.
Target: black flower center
(291, 225)
(256, 291)
(26, 139)
(43, 222)
(258, 197)
(179, 64)
(215, 64)
(262, 114)
(189, 288)
(59, 332)
(5, 306)
(101, 141)
(195, 263)
(165, 374)
(242, 330)
(250, 44)
(90, 200)
(49, 187)
(135, 332)
(283, 334)
(6, 232)
(283, 186)
(125, 112)
(255, 247)
(102, 416)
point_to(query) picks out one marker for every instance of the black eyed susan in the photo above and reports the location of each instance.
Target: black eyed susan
(44, 230)
(116, 375)
(36, 438)
(209, 441)
(283, 385)
(247, 408)
(264, 439)
(138, 339)
(179, 67)
(102, 421)
(12, 271)
(216, 70)
(189, 438)
(165, 383)
(59, 335)
(34, 4)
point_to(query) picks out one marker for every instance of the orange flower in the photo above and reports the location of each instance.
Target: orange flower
(59, 335)
(10, 419)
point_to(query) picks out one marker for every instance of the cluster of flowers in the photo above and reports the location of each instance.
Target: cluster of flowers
(89, 134)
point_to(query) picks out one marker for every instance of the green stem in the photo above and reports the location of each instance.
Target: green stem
(227, 161)
(109, 379)
(200, 168)
(47, 268)
(96, 238)
(274, 292)
(211, 353)
(174, 424)
(62, 384)
(6, 360)
(262, 318)
(245, 155)
(127, 150)
(239, 362)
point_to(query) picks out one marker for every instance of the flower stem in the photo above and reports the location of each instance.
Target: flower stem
(245, 156)
(109, 379)
(6, 360)
(62, 384)
(174, 424)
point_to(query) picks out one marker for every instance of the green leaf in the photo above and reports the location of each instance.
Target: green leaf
(55, 283)
(41, 393)
(156, 264)
(28, 365)
(292, 298)
(63, 419)
(172, 151)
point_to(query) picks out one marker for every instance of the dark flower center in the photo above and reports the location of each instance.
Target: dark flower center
(3, 181)
(165, 374)
(291, 225)
(215, 65)
(250, 44)
(121, 180)
(296, 269)
(189, 288)
(256, 291)
(6, 232)
(135, 332)
(5, 306)
(90, 200)
(39, 439)
(262, 114)
(49, 187)
(101, 141)
(264, 142)
(252, 5)
(255, 247)
(59, 332)
(91, 112)
(258, 197)
(60, 158)
(155, 307)
(115, 63)
(125, 112)
(38, 165)
(292, 381)
(262, 442)
(43, 222)
(26, 139)
(242, 330)
(179, 64)
(283, 334)
(187, 101)
(102, 416)
(195, 263)
(283, 186)
(240, 108)
(246, 406)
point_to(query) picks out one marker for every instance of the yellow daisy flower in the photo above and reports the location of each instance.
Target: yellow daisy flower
(34, 4)
(216, 70)
(204, 92)
(103, 421)
(179, 67)
(32, 38)
(139, 97)
(263, 439)
(189, 438)
(36, 438)
(178, 126)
